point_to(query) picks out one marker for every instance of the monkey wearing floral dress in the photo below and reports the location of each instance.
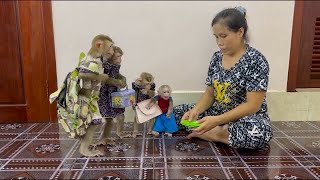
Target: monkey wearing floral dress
(115, 81)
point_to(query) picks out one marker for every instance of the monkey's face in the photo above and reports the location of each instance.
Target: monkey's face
(108, 50)
(116, 58)
(165, 93)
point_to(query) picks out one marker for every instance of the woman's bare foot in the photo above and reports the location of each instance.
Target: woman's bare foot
(168, 134)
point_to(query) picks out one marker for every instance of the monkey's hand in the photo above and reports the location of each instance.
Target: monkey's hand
(168, 114)
(116, 82)
(103, 77)
(85, 92)
(151, 93)
(148, 106)
(144, 91)
(123, 81)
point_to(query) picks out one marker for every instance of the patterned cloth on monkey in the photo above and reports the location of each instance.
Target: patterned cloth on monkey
(77, 112)
(139, 95)
(162, 123)
(230, 88)
(105, 101)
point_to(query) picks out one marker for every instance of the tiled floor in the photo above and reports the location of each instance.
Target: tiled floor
(43, 151)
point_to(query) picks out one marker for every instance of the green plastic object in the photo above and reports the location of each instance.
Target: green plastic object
(190, 123)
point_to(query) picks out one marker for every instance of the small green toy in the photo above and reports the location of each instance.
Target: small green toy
(190, 123)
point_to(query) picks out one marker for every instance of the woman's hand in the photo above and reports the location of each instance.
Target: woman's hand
(192, 114)
(207, 123)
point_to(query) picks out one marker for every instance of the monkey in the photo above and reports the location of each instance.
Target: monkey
(91, 83)
(145, 89)
(116, 80)
(165, 122)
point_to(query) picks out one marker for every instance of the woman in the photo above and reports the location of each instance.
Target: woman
(233, 109)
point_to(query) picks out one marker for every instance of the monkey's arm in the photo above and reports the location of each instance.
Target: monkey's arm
(153, 100)
(123, 80)
(170, 108)
(92, 76)
(115, 82)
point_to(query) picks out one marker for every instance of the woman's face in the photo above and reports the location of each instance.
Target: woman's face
(228, 41)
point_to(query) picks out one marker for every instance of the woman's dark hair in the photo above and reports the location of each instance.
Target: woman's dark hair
(233, 18)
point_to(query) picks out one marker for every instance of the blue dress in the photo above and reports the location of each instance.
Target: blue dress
(162, 123)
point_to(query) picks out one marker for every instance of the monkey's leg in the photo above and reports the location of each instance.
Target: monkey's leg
(106, 133)
(150, 126)
(120, 122)
(135, 128)
(86, 141)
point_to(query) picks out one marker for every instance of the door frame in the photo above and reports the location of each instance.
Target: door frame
(295, 46)
(30, 24)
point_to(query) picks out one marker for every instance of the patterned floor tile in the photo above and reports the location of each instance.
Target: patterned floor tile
(153, 162)
(308, 161)
(278, 134)
(3, 143)
(292, 147)
(315, 171)
(286, 126)
(282, 173)
(15, 128)
(270, 161)
(186, 147)
(223, 149)
(124, 148)
(198, 173)
(153, 173)
(26, 175)
(153, 147)
(53, 135)
(113, 163)
(74, 164)
(38, 127)
(239, 173)
(111, 174)
(33, 164)
(316, 124)
(310, 144)
(12, 148)
(67, 174)
(2, 163)
(273, 149)
(54, 128)
(303, 134)
(196, 162)
(232, 162)
(8, 136)
(47, 149)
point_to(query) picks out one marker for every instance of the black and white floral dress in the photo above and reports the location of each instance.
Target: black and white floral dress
(251, 73)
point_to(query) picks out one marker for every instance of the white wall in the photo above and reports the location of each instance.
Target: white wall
(172, 40)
